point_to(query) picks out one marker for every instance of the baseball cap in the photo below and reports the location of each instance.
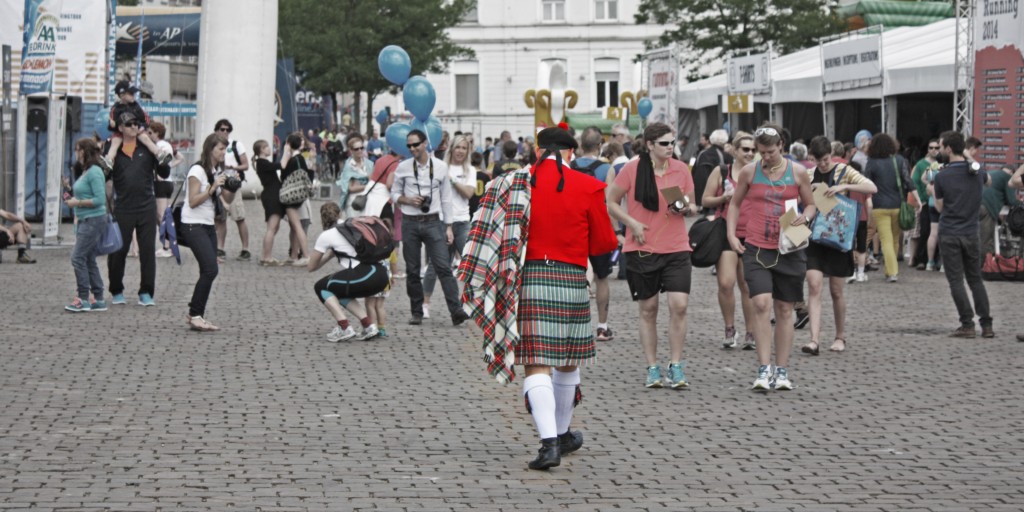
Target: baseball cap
(123, 86)
(126, 118)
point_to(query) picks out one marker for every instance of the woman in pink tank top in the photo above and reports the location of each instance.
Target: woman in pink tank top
(775, 280)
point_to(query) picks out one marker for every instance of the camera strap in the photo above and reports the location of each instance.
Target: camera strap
(416, 174)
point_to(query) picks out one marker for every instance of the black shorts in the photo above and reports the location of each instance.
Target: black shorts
(768, 271)
(933, 215)
(363, 280)
(163, 189)
(861, 244)
(602, 265)
(647, 274)
(829, 261)
(5, 240)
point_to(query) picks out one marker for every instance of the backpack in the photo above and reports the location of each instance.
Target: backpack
(590, 170)
(1015, 220)
(370, 237)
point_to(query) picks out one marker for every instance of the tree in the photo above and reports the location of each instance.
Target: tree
(710, 30)
(335, 44)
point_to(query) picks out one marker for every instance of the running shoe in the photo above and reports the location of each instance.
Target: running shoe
(98, 305)
(221, 253)
(676, 377)
(118, 299)
(338, 334)
(77, 306)
(891, 279)
(382, 333)
(780, 381)
(426, 310)
(244, 256)
(25, 258)
(146, 299)
(802, 317)
(731, 338)
(653, 377)
(764, 376)
(862, 278)
(368, 333)
(605, 334)
(748, 342)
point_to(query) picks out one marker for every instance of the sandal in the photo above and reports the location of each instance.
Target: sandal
(810, 348)
(198, 323)
(841, 347)
(270, 263)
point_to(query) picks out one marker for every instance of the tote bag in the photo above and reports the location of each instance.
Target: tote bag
(837, 228)
(111, 241)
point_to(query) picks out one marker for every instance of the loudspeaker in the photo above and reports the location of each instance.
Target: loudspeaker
(74, 123)
(37, 113)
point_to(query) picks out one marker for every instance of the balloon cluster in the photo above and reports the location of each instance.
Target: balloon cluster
(419, 97)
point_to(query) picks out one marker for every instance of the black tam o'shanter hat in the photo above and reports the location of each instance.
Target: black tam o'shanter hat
(554, 139)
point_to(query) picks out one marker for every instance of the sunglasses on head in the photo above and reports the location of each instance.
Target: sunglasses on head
(767, 130)
(664, 143)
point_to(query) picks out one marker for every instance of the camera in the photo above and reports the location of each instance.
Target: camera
(232, 184)
(425, 205)
(679, 204)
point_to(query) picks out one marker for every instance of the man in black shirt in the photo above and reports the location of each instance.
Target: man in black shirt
(508, 162)
(958, 189)
(134, 169)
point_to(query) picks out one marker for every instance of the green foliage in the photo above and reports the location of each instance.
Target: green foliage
(335, 44)
(710, 30)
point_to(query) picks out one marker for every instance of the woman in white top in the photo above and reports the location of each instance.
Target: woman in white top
(463, 179)
(202, 187)
(355, 173)
(339, 291)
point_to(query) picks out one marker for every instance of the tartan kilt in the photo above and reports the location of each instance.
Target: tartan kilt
(554, 316)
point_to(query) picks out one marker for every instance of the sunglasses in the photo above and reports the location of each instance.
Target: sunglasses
(933, 147)
(746, 150)
(414, 146)
(360, 148)
(224, 129)
(664, 143)
(771, 132)
(130, 125)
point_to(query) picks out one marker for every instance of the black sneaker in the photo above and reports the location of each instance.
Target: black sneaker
(459, 317)
(416, 320)
(221, 253)
(244, 256)
(802, 317)
(25, 258)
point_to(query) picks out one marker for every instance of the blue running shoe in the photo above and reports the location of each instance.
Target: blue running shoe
(676, 377)
(118, 299)
(763, 381)
(146, 299)
(780, 381)
(653, 377)
(99, 305)
(77, 306)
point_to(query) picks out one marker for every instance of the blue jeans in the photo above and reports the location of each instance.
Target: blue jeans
(83, 257)
(430, 233)
(202, 239)
(961, 260)
(461, 232)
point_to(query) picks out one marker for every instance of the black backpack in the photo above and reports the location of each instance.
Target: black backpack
(590, 170)
(1015, 220)
(370, 237)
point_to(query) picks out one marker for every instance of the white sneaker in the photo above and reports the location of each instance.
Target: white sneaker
(731, 341)
(164, 253)
(426, 310)
(369, 333)
(780, 381)
(338, 334)
(851, 279)
(763, 380)
(862, 278)
(302, 262)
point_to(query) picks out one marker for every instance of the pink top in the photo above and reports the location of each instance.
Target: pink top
(723, 211)
(767, 203)
(666, 232)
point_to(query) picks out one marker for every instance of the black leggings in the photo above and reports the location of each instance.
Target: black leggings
(363, 280)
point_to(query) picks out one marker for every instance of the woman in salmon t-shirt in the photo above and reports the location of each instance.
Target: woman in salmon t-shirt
(657, 245)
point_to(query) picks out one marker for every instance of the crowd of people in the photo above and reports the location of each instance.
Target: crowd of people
(626, 204)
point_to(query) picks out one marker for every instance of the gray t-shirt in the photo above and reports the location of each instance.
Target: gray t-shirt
(960, 192)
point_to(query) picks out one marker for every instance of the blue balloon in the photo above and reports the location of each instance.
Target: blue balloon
(100, 123)
(644, 107)
(396, 136)
(394, 64)
(382, 116)
(419, 97)
(431, 127)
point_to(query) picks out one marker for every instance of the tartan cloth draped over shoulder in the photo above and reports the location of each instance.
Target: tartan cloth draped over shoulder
(490, 268)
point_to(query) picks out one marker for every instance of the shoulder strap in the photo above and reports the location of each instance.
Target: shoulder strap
(838, 180)
(383, 176)
(899, 181)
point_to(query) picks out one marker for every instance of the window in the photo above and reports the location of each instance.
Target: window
(554, 10)
(471, 16)
(606, 77)
(606, 10)
(467, 85)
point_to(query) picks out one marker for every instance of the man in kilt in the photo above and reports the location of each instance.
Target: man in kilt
(552, 335)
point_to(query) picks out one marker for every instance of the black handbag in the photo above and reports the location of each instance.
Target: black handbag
(359, 203)
(176, 215)
(708, 240)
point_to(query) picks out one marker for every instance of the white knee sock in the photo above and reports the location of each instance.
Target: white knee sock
(565, 394)
(537, 388)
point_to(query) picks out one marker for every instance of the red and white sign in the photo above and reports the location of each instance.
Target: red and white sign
(998, 117)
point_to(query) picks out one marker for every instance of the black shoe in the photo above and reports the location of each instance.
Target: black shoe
(221, 253)
(802, 317)
(244, 256)
(548, 456)
(416, 320)
(987, 332)
(1020, 337)
(459, 317)
(570, 441)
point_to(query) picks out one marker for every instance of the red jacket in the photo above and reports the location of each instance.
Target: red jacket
(570, 225)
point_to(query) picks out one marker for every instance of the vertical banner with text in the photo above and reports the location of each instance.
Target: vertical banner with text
(662, 87)
(998, 117)
(39, 54)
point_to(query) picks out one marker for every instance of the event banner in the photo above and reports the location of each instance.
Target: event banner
(164, 31)
(749, 74)
(42, 20)
(852, 60)
(998, 116)
(662, 83)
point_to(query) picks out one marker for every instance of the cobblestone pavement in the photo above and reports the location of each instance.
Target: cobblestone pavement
(128, 411)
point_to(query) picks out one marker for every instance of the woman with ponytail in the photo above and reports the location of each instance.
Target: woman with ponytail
(89, 201)
(657, 244)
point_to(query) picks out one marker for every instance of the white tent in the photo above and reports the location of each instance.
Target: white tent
(914, 60)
